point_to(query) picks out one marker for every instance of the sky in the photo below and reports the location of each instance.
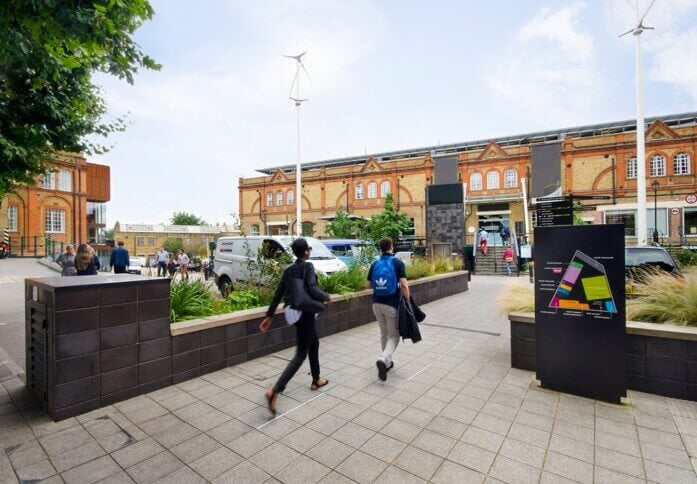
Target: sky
(383, 75)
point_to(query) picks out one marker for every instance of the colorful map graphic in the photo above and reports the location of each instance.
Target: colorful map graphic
(584, 286)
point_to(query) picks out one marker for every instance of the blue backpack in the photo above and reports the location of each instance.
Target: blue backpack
(384, 278)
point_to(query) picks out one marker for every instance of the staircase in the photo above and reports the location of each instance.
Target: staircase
(492, 263)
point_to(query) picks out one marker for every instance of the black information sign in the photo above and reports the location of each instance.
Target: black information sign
(580, 321)
(553, 213)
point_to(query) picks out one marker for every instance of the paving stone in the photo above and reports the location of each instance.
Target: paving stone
(656, 423)
(353, 435)
(666, 455)
(76, 457)
(514, 471)
(195, 448)
(575, 432)
(429, 404)
(250, 443)
(118, 478)
(279, 428)
(483, 439)
(103, 428)
(36, 471)
(525, 453)
(389, 407)
(137, 452)
(209, 420)
(361, 467)
(473, 457)
(302, 439)
(274, 458)
(549, 478)
(336, 478)
(417, 462)
(615, 427)
(469, 402)
(401, 430)
(578, 418)
(238, 407)
(606, 476)
(614, 412)
(305, 414)
(418, 417)
(448, 427)
(44, 425)
(148, 412)
(330, 452)
(395, 475)
(450, 472)
(161, 424)
(372, 420)
(181, 476)
(116, 441)
(65, 440)
(215, 463)
(667, 439)
(622, 463)
(246, 472)
(616, 442)
(658, 472)
(303, 470)
(92, 471)
(326, 424)
(155, 467)
(492, 424)
(434, 443)
(346, 410)
(573, 448)
(26, 454)
(177, 435)
(568, 467)
(384, 448)
(459, 414)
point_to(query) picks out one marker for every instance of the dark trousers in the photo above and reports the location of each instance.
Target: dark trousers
(161, 266)
(308, 345)
(119, 269)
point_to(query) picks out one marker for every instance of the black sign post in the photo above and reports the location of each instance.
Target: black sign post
(580, 321)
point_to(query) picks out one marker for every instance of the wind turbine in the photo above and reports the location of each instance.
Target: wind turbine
(298, 102)
(636, 31)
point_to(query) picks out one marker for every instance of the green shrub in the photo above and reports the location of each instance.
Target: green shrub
(685, 258)
(352, 280)
(237, 301)
(419, 267)
(189, 299)
(662, 298)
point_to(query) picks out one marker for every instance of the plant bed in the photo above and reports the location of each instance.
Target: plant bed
(661, 358)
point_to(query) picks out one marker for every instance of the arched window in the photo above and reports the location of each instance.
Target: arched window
(631, 168)
(269, 199)
(359, 191)
(384, 188)
(254, 230)
(657, 166)
(290, 197)
(492, 180)
(510, 178)
(372, 190)
(12, 218)
(681, 164)
(279, 197)
(476, 181)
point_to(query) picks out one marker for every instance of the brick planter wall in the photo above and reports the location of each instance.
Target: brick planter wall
(661, 358)
(95, 340)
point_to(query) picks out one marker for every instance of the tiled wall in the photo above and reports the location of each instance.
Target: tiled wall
(664, 366)
(91, 346)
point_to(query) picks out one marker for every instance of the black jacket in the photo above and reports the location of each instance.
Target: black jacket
(407, 316)
(295, 270)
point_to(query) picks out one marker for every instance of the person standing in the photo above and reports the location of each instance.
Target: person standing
(387, 278)
(505, 235)
(162, 257)
(306, 336)
(85, 261)
(183, 260)
(67, 258)
(483, 240)
(508, 258)
(119, 258)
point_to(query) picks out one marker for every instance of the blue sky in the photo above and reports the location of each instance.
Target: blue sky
(385, 75)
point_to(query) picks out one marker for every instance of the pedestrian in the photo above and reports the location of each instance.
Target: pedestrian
(86, 262)
(508, 258)
(388, 279)
(171, 267)
(162, 257)
(67, 258)
(120, 259)
(183, 260)
(505, 235)
(483, 240)
(306, 336)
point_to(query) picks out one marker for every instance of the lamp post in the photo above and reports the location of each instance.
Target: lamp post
(655, 186)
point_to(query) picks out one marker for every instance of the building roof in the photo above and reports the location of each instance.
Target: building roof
(177, 229)
(673, 120)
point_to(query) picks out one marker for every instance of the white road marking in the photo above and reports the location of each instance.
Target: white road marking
(429, 365)
(289, 411)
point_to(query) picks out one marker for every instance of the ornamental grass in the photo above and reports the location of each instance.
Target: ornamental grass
(663, 298)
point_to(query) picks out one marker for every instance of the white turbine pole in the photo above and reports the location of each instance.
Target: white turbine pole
(640, 146)
(298, 183)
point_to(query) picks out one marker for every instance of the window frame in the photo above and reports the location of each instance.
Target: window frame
(151, 241)
(254, 230)
(269, 199)
(514, 173)
(493, 178)
(476, 186)
(65, 180)
(12, 220)
(51, 225)
(48, 181)
(385, 188)
(631, 171)
(279, 197)
(372, 190)
(662, 165)
(359, 194)
(683, 158)
(290, 197)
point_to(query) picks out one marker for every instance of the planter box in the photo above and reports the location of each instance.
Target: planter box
(661, 358)
(95, 340)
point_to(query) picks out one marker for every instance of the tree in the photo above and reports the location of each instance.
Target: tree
(173, 245)
(388, 223)
(49, 50)
(342, 227)
(183, 218)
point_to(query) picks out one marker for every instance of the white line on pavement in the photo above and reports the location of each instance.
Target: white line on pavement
(441, 356)
(286, 413)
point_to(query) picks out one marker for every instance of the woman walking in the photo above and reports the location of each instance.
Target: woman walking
(307, 340)
(85, 261)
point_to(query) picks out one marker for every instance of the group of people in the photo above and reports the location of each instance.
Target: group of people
(387, 277)
(508, 255)
(166, 265)
(84, 262)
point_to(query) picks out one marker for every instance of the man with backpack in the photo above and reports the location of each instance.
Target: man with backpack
(388, 279)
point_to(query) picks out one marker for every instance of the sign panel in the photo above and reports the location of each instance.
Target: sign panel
(692, 198)
(580, 310)
(553, 213)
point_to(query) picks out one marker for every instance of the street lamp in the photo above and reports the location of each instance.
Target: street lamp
(655, 186)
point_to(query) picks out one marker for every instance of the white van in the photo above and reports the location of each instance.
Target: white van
(232, 255)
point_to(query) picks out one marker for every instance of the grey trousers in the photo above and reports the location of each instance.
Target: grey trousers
(389, 331)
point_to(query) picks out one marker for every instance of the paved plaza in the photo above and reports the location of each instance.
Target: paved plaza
(452, 410)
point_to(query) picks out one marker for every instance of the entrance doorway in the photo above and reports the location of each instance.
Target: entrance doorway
(492, 223)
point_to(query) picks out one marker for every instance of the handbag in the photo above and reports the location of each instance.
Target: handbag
(302, 300)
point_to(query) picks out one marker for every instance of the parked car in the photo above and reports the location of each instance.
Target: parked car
(233, 255)
(638, 261)
(135, 265)
(346, 249)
